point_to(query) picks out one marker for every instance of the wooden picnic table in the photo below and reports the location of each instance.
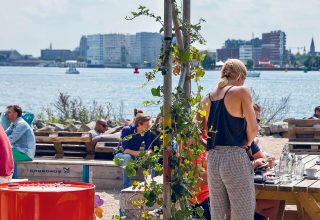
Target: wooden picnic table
(305, 194)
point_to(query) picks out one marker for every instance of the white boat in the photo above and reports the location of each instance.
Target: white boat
(252, 73)
(72, 70)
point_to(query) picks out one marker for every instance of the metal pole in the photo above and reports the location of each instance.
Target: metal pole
(186, 40)
(167, 90)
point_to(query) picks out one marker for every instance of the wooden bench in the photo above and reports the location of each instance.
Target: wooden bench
(104, 174)
(106, 145)
(304, 136)
(60, 144)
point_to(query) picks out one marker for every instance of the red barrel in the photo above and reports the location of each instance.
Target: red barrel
(47, 200)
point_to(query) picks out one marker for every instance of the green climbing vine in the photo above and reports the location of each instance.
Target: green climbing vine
(185, 131)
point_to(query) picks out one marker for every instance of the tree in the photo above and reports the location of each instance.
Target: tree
(81, 59)
(178, 107)
(208, 63)
(249, 64)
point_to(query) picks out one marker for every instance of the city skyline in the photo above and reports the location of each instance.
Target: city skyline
(62, 22)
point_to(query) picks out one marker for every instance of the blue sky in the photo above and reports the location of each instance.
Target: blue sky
(29, 25)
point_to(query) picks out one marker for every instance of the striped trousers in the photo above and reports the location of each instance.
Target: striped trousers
(231, 186)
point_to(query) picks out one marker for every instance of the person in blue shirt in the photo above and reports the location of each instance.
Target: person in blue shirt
(20, 134)
(132, 137)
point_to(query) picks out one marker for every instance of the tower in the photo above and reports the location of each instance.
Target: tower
(312, 48)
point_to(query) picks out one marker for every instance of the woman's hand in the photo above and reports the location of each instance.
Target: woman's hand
(259, 162)
(271, 161)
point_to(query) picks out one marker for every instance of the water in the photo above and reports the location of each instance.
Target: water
(36, 87)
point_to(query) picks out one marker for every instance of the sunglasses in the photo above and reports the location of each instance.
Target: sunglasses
(103, 125)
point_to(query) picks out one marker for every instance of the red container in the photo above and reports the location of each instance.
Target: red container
(47, 200)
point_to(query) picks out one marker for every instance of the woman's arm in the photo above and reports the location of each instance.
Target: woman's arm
(202, 118)
(248, 112)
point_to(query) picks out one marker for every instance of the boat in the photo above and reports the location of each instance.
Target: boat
(252, 73)
(72, 70)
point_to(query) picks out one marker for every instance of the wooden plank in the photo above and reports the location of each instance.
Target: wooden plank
(107, 184)
(104, 149)
(303, 185)
(310, 205)
(287, 196)
(300, 211)
(288, 187)
(103, 172)
(49, 170)
(303, 143)
(62, 139)
(271, 187)
(310, 161)
(66, 161)
(315, 188)
(303, 122)
(60, 179)
(59, 149)
(90, 150)
(303, 129)
(107, 144)
(304, 140)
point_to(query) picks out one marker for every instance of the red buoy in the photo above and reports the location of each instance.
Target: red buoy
(136, 70)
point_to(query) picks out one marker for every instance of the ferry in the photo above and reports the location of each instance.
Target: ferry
(72, 70)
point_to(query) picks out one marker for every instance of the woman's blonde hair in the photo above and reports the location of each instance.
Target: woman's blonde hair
(231, 70)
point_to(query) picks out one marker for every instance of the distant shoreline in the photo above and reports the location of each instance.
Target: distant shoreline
(102, 67)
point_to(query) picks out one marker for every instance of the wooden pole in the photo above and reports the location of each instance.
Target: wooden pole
(167, 90)
(186, 40)
(176, 27)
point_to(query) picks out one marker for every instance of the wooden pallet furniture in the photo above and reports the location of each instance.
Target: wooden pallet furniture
(106, 145)
(60, 144)
(305, 194)
(104, 174)
(304, 136)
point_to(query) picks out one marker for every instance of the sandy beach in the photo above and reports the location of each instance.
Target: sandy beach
(270, 144)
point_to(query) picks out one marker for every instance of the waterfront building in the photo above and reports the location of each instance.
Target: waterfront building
(273, 47)
(122, 50)
(95, 49)
(148, 47)
(245, 53)
(232, 43)
(115, 51)
(227, 53)
(231, 49)
(57, 54)
(9, 55)
(83, 47)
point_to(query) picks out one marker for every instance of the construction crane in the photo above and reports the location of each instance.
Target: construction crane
(299, 48)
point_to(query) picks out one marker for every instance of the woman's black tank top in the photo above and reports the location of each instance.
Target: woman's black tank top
(223, 128)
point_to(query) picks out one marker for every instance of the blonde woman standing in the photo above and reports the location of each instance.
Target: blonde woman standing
(231, 126)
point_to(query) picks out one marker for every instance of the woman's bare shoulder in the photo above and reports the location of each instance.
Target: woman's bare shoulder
(240, 90)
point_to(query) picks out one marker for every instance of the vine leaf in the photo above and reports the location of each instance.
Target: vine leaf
(156, 91)
(202, 113)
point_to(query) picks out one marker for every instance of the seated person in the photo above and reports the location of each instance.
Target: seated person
(100, 128)
(135, 112)
(265, 208)
(132, 137)
(4, 121)
(316, 114)
(20, 134)
(6, 159)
